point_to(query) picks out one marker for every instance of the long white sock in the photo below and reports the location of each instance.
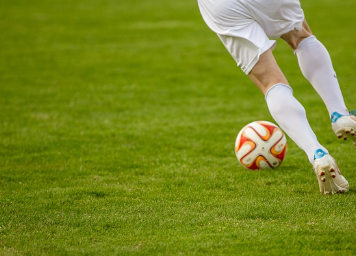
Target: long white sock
(316, 66)
(291, 117)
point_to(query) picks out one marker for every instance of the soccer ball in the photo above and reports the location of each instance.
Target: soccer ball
(260, 145)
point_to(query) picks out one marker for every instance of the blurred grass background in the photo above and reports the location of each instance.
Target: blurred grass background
(118, 122)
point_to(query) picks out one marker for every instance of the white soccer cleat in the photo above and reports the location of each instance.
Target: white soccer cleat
(328, 174)
(344, 126)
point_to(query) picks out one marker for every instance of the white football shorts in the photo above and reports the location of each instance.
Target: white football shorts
(246, 26)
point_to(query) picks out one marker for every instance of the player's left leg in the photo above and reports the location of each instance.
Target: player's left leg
(316, 66)
(291, 117)
(315, 63)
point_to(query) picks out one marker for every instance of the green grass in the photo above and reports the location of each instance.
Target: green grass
(117, 129)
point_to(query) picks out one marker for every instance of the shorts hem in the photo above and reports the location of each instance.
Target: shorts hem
(269, 45)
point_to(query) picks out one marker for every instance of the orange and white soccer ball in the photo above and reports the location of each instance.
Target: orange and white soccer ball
(260, 145)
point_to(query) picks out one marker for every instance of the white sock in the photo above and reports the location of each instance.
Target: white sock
(316, 66)
(291, 117)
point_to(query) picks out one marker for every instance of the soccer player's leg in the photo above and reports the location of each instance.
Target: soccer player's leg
(291, 117)
(316, 66)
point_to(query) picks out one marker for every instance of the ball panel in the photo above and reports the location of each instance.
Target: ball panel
(260, 130)
(245, 149)
(262, 163)
(268, 125)
(279, 145)
(258, 163)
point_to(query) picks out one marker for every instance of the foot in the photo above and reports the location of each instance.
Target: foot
(328, 174)
(344, 126)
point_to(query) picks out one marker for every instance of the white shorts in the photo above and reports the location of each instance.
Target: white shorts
(245, 26)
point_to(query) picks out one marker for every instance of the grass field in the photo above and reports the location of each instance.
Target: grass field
(117, 129)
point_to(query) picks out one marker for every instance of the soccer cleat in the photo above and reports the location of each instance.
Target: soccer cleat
(328, 174)
(344, 126)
